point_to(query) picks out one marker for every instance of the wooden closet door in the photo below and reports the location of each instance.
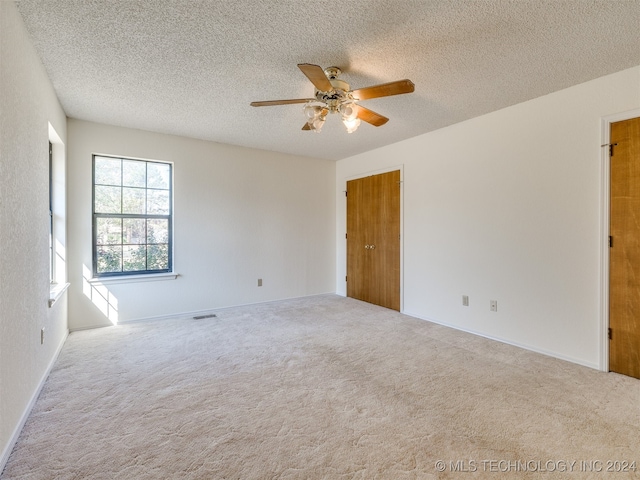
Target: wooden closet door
(624, 254)
(373, 239)
(358, 260)
(385, 240)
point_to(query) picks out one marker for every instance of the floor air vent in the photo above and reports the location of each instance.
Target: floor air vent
(200, 317)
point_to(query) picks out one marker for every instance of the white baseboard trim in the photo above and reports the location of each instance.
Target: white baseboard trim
(90, 327)
(209, 311)
(27, 411)
(531, 348)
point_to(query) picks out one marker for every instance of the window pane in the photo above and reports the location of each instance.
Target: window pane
(157, 231)
(108, 171)
(109, 259)
(134, 258)
(158, 175)
(134, 173)
(133, 230)
(107, 199)
(133, 200)
(108, 231)
(158, 202)
(157, 257)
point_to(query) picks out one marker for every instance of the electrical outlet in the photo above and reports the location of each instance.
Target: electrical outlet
(493, 305)
(465, 300)
(42, 336)
(259, 282)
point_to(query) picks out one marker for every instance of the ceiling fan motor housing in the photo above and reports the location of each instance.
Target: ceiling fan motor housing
(339, 93)
(339, 84)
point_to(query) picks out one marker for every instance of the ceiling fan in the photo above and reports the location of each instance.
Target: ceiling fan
(333, 95)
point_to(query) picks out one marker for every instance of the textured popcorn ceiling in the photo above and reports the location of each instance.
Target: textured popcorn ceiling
(191, 68)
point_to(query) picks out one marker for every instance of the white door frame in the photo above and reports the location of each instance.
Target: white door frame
(605, 192)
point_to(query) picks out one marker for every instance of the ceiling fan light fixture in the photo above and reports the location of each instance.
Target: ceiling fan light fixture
(317, 124)
(312, 111)
(352, 125)
(348, 111)
(316, 115)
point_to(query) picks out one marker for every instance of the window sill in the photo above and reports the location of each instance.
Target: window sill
(151, 277)
(55, 292)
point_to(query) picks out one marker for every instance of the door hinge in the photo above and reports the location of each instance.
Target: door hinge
(609, 333)
(610, 241)
(345, 235)
(610, 145)
(346, 194)
(345, 278)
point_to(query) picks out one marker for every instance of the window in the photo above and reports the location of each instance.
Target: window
(57, 218)
(52, 273)
(132, 216)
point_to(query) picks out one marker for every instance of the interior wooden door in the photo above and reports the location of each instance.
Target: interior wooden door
(624, 259)
(358, 260)
(373, 239)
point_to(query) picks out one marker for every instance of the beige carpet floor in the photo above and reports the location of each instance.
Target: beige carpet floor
(321, 388)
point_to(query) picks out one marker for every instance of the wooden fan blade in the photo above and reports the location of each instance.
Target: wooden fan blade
(269, 103)
(316, 74)
(306, 127)
(384, 90)
(370, 116)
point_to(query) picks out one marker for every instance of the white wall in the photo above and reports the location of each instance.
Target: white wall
(506, 207)
(28, 104)
(240, 214)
